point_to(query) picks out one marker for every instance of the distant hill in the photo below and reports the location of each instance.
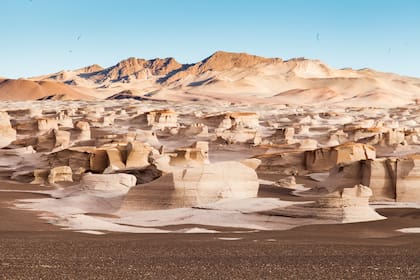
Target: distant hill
(237, 77)
(21, 89)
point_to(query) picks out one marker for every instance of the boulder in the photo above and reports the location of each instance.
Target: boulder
(390, 179)
(283, 135)
(324, 159)
(344, 176)
(379, 176)
(346, 205)
(75, 158)
(287, 163)
(45, 124)
(115, 158)
(408, 179)
(63, 120)
(196, 129)
(100, 121)
(83, 129)
(162, 118)
(195, 155)
(40, 176)
(52, 140)
(108, 182)
(7, 133)
(60, 174)
(194, 186)
(138, 155)
(244, 119)
(143, 175)
(233, 120)
(239, 135)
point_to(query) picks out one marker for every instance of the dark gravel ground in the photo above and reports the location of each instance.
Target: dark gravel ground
(264, 255)
(31, 249)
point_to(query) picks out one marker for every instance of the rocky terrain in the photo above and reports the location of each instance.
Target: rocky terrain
(235, 167)
(131, 165)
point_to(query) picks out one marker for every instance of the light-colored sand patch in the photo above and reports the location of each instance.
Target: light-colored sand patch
(197, 230)
(82, 222)
(410, 230)
(390, 204)
(229, 238)
(94, 232)
(319, 177)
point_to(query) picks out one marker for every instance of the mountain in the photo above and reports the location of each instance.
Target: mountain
(21, 89)
(241, 77)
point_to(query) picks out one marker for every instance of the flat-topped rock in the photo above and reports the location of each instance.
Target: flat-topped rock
(324, 159)
(194, 186)
(7, 133)
(60, 174)
(195, 155)
(346, 205)
(108, 182)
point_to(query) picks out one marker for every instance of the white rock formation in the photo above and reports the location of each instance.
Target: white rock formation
(162, 118)
(194, 186)
(7, 133)
(60, 174)
(138, 155)
(108, 182)
(325, 158)
(346, 205)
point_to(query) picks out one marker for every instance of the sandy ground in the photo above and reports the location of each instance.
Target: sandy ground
(32, 249)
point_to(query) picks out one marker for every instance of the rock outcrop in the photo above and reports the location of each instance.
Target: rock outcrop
(195, 155)
(346, 205)
(7, 133)
(194, 186)
(60, 174)
(108, 182)
(324, 159)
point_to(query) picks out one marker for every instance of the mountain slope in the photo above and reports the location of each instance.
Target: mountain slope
(29, 90)
(244, 77)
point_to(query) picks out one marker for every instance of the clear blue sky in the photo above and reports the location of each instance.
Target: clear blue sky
(45, 36)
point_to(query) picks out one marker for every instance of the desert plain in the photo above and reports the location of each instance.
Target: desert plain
(234, 167)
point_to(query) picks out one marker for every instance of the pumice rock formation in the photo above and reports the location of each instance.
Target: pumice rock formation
(345, 205)
(324, 159)
(234, 140)
(7, 133)
(162, 118)
(196, 155)
(393, 179)
(194, 186)
(107, 182)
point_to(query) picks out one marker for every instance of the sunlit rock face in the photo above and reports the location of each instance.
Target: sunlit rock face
(394, 179)
(325, 158)
(194, 186)
(60, 174)
(162, 118)
(344, 206)
(195, 155)
(7, 133)
(390, 179)
(108, 182)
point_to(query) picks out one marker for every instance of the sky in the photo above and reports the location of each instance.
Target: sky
(45, 36)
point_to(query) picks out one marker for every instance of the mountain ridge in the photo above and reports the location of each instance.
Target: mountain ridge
(241, 77)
